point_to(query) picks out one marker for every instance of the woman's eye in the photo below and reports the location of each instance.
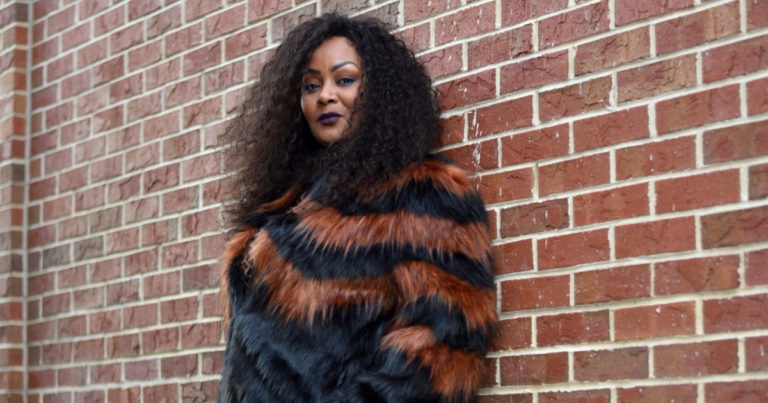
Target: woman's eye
(310, 87)
(346, 81)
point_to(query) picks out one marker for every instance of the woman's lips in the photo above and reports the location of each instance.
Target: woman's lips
(328, 118)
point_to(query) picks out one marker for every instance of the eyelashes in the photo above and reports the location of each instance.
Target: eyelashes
(312, 87)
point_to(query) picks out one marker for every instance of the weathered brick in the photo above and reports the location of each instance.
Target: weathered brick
(592, 396)
(604, 365)
(610, 129)
(612, 284)
(736, 391)
(657, 78)
(467, 90)
(696, 275)
(659, 157)
(482, 155)
(609, 205)
(513, 257)
(737, 313)
(575, 99)
(757, 267)
(535, 72)
(573, 249)
(735, 59)
(442, 62)
(754, 350)
(652, 237)
(628, 11)
(465, 23)
(612, 51)
(539, 292)
(572, 25)
(690, 192)
(572, 328)
(736, 142)
(694, 29)
(575, 173)
(663, 393)
(534, 369)
(655, 321)
(734, 227)
(512, 334)
(535, 217)
(500, 47)
(534, 145)
(696, 359)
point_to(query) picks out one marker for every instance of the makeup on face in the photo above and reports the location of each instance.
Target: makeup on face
(331, 87)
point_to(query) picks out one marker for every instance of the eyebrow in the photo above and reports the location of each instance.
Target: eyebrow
(334, 68)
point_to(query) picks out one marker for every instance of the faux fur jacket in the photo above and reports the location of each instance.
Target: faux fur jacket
(387, 298)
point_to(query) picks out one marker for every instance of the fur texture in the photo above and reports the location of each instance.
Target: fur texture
(387, 297)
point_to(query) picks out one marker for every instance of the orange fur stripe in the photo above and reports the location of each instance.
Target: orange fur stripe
(454, 373)
(443, 175)
(409, 339)
(235, 247)
(417, 279)
(299, 298)
(281, 201)
(332, 229)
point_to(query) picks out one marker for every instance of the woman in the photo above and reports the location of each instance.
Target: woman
(360, 267)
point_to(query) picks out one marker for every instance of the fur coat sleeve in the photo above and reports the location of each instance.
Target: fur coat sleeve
(386, 298)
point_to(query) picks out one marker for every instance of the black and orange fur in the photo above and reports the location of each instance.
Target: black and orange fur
(387, 297)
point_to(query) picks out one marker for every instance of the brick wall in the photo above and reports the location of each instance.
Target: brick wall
(621, 146)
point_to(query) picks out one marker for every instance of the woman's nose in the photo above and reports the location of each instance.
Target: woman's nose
(327, 94)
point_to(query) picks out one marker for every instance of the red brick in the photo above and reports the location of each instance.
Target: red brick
(179, 200)
(141, 262)
(285, 23)
(540, 292)
(88, 350)
(500, 47)
(161, 178)
(737, 313)
(572, 328)
(536, 72)
(126, 291)
(127, 395)
(139, 316)
(745, 391)
(654, 394)
(161, 393)
(659, 157)
(612, 284)
(179, 309)
(758, 182)
(199, 391)
(612, 51)
(77, 376)
(199, 8)
(473, 157)
(180, 366)
(628, 11)
(57, 208)
(163, 22)
(757, 96)
(224, 22)
(500, 117)
(126, 37)
(124, 188)
(261, 8)
(654, 237)
(736, 59)
(180, 253)
(72, 326)
(420, 9)
(515, 11)
(416, 37)
(757, 14)
(160, 340)
(575, 99)
(442, 62)
(534, 145)
(680, 194)
(213, 307)
(512, 334)
(145, 55)
(465, 23)
(200, 222)
(201, 334)
(142, 157)
(223, 77)
(141, 370)
(138, 8)
(126, 345)
(535, 217)
(696, 275)
(88, 298)
(108, 119)
(755, 351)
(89, 54)
(467, 90)
(757, 267)
(505, 186)
(58, 114)
(611, 129)
(736, 142)
(735, 227)
(513, 257)
(201, 278)
(106, 373)
(534, 369)
(202, 58)
(202, 166)
(202, 112)
(159, 232)
(581, 396)
(161, 285)
(573, 249)
(696, 359)
(657, 78)
(694, 29)
(573, 174)
(603, 365)
(184, 39)
(572, 25)
(655, 321)
(609, 205)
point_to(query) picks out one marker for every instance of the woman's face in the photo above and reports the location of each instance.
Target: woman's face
(331, 89)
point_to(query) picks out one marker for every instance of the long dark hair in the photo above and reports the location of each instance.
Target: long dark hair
(272, 149)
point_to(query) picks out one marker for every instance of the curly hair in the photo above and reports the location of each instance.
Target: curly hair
(273, 149)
